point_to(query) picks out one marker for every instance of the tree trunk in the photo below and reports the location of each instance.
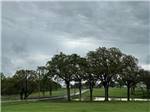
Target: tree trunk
(147, 88)
(50, 91)
(80, 87)
(26, 88)
(91, 91)
(43, 92)
(148, 91)
(106, 92)
(39, 88)
(21, 90)
(128, 92)
(91, 94)
(25, 95)
(50, 87)
(68, 90)
(21, 94)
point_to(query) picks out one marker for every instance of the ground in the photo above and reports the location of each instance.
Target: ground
(86, 106)
(77, 107)
(59, 92)
(113, 92)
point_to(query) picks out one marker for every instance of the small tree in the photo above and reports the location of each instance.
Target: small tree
(145, 78)
(59, 66)
(130, 75)
(9, 85)
(26, 81)
(104, 64)
(77, 67)
(91, 82)
(43, 79)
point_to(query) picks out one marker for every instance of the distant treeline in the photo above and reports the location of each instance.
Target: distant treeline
(25, 82)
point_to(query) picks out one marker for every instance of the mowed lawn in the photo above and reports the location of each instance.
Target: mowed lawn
(114, 92)
(59, 92)
(76, 107)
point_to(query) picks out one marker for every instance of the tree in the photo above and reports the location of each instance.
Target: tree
(26, 81)
(77, 67)
(145, 78)
(45, 81)
(81, 71)
(91, 82)
(59, 66)
(8, 85)
(104, 64)
(130, 74)
(3, 77)
(42, 74)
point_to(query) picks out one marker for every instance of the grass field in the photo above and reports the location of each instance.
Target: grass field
(117, 92)
(59, 92)
(63, 106)
(76, 107)
(113, 92)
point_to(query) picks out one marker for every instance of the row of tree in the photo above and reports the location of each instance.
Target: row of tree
(104, 65)
(25, 82)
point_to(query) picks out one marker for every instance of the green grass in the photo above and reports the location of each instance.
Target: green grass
(117, 92)
(62, 106)
(114, 92)
(9, 97)
(76, 107)
(59, 92)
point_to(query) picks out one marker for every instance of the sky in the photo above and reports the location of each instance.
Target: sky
(32, 32)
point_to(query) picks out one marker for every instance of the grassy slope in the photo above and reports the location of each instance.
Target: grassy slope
(77, 107)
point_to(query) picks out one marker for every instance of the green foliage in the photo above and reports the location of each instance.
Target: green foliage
(9, 86)
(130, 70)
(24, 82)
(106, 66)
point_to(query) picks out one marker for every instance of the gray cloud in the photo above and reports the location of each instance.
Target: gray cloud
(32, 32)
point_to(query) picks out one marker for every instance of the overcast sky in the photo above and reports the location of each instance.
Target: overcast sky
(32, 32)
